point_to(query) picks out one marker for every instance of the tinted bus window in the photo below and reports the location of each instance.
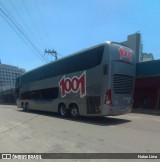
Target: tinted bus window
(79, 62)
(48, 93)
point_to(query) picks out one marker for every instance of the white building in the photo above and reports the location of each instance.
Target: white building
(134, 42)
(8, 75)
(147, 57)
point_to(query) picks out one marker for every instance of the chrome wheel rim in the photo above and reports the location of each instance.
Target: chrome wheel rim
(62, 111)
(74, 111)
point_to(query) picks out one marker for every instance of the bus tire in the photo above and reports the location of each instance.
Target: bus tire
(62, 110)
(27, 107)
(23, 106)
(74, 111)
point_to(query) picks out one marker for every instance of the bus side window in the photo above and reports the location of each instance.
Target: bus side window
(105, 69)
(49, 93)
(55, 92)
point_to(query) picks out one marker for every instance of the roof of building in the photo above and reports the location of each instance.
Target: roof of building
(148, 69)
(11, 66)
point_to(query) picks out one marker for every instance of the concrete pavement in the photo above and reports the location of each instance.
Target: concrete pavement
(41, 132)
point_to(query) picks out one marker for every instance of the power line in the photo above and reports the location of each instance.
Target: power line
(18, 34)
(31, 20)
(25, 25)
(13, 26)
(21, 32)
(42, 22)
(51, 52)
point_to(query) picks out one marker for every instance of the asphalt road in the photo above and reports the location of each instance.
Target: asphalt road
(41, 132)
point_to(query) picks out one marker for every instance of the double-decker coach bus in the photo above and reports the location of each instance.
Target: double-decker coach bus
(98, 81)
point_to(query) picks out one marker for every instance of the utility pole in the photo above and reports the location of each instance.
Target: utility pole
(51, 52)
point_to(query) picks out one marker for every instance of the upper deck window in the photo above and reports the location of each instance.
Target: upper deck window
(75, 63)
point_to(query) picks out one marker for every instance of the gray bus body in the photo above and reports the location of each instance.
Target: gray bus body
(99, 81)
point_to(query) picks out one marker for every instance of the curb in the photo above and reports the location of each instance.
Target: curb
(150, 112)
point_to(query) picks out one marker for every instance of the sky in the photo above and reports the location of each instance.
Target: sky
(28, 27)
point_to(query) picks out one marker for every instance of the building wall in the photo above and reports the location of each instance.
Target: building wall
(134, 42)
(147, 57)
(8, 75)
(147, 85)
(146, 93)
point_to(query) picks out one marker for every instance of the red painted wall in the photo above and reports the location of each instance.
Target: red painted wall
(145, 94)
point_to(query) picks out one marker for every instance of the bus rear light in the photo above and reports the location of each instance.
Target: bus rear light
(110, 109)
(98, 111)
(108, 98)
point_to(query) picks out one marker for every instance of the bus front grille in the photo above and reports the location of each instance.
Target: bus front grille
(122, 84)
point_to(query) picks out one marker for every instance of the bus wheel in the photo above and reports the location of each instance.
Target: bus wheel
(27, 107)
(74, 111)
(23, 107)
(62, 110)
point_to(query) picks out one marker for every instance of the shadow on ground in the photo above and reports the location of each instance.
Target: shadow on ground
(146, 111)
(102, 121)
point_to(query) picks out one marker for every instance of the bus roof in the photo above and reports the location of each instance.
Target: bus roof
(75, 53)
